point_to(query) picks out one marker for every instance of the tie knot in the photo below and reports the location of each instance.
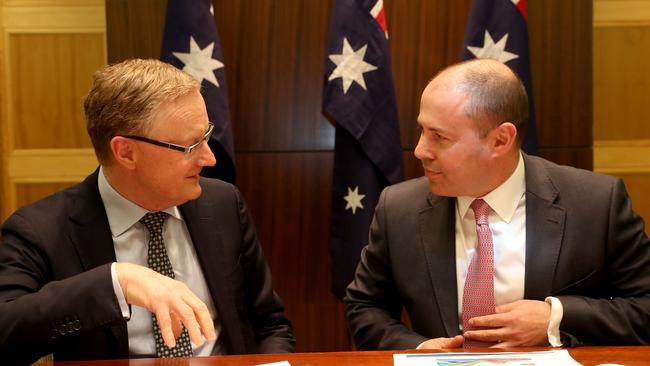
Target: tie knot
(154, 221)
(481, 211)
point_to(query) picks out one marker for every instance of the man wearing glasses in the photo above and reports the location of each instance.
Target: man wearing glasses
(144, 258)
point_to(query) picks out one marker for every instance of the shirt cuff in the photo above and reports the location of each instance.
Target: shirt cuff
(124, 307)
(553, 331)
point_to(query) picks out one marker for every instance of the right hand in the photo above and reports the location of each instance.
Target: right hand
(171, 301)
(439, 343)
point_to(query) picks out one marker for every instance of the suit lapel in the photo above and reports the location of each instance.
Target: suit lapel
(437, 229)
(544, 230)
(91, 235)
(204, 230)
(90, 232)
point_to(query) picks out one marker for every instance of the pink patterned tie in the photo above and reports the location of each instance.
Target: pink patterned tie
(478, 294)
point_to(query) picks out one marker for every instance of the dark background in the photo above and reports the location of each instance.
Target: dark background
(275, 55)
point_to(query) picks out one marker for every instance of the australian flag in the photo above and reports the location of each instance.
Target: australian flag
(359, 100)
(497, 29)
(191, 43)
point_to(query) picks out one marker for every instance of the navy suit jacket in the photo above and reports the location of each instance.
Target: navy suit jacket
(56, 293)
(584, 245)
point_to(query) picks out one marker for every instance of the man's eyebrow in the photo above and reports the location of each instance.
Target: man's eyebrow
(434, 129)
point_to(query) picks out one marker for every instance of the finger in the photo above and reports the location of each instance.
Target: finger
(505, 344)
(202, 315)
(165, 325)
(506, 307)
(488, 321)
(187, 316)
(486, 335)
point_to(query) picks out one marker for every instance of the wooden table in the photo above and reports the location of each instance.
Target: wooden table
(588, 356)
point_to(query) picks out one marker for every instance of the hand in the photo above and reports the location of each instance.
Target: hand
(517, 324)
(172, 302)
(438, 343)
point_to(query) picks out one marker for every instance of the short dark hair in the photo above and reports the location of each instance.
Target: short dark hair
(495, 95)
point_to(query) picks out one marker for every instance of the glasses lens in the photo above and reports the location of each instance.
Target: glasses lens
(193, 150)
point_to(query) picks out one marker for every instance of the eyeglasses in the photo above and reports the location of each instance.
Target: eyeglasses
(188, 151)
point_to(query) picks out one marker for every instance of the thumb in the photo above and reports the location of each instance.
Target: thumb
(455, 342)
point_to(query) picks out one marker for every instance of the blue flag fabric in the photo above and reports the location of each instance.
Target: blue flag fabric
(497, 29)
(191, 43)
(359, 99)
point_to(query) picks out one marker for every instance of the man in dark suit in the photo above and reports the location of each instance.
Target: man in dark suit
(83, 271)
(493, 247)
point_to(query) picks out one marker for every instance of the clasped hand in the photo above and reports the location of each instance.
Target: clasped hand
(171, 301)
(518, 324)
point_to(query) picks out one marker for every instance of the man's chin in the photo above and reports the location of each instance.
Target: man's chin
(194, 191)
(438, 190)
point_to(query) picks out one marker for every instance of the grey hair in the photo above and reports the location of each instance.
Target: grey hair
(124, 97)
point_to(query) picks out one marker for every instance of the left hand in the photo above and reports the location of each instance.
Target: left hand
(522, 323)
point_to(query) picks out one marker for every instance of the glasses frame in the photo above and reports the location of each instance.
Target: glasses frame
(187, 150)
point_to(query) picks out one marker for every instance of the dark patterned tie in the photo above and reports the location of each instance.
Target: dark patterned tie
(478, 294)
(158, 260)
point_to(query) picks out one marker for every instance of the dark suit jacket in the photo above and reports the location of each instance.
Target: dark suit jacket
(56, 293)
(584, 245)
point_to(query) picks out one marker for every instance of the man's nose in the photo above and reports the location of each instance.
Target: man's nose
(206, 157)
(422, 149)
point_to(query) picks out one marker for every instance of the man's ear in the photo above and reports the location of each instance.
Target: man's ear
(123, 151)
(503, 138)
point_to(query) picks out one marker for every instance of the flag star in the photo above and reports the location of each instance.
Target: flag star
(199, 62)
(496, 51)
(350, 66)
(353, 199)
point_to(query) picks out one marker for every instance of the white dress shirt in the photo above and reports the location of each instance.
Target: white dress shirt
(507, 221)
(130, 240)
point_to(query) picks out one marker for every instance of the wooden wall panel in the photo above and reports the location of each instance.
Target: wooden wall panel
(47, 101)
(274, 59)
(581, 157)
(48, 52)
(424, 38)
(621, 83)
(560, 35)
(288, 194)
(140, 25)
(621, 102)
(277, 102)
(31, 192)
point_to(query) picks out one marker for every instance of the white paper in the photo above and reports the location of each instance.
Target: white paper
(544, 358)
(280, 363)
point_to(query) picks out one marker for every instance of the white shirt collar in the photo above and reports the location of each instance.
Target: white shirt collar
(504, 199)
(122, 213)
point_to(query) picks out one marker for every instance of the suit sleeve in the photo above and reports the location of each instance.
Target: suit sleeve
(38, 312)
(273, 331)
(373, 303)
(623, 317)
